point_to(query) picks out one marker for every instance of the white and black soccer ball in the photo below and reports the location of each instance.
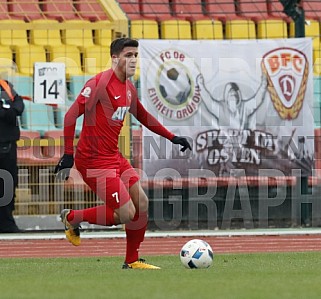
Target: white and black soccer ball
(175, 85)
(196, 254)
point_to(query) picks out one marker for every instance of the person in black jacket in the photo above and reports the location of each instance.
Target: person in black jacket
(11, 106)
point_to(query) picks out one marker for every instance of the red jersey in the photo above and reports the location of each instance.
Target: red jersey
(104, 102)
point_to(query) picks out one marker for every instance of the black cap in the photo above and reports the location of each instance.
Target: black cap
(119, 44)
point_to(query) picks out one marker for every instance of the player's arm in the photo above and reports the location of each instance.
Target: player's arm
(150, 122)
(75, 110)
(67, 160)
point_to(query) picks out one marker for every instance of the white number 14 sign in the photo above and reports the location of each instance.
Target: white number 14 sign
(49, 83)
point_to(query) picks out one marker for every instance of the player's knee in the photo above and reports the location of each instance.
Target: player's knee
(131, 213)
(143, 203)
(139, 197)
(127, 212)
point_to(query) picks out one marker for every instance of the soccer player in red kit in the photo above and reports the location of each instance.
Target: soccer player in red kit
(104, 101)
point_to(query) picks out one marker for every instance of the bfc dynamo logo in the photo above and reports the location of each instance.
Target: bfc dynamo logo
(171, 84)
(287, 71)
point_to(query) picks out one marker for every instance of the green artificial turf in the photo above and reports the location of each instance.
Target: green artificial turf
(257, 276)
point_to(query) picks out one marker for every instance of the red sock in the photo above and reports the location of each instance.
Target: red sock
(135, 233)
(101, 215)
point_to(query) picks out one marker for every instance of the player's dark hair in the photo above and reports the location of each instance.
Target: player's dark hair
(119, 44)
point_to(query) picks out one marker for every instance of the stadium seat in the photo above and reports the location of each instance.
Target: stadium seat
(91, 10)
(96, 59)
(54, 150)
(5, 52)
(176, 29)
(103, 37)
(240, 29)
(38, 117)
(79, 123)
(317, 61)
(221, 9)
(4, 11)
(28, 9)
(147, 29)
(59, 10)
(317, 93)
(70, 56)
(29, 151)
(275, 9)
(13, 37)
(76, 83)
(131, 8)
(312, 29)
(312, 9)
(156, 9)
(316, 113)
(61, 112)
(45, 37)
(23, 85)
(189, 9)
(78, 35)
(7, 65)
(272, 29)
(207, 29)
(252, 9)
(26, 56)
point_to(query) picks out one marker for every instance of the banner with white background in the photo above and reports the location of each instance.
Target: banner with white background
(244, 105)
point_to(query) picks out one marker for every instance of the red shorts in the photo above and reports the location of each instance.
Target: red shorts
(110, 184)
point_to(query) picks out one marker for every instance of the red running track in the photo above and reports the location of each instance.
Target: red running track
(157, 246)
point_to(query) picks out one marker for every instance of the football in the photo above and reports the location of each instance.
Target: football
(196, 254)
(175, 85)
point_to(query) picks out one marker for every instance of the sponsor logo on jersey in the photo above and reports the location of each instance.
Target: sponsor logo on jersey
(287, 71)
(120, 113)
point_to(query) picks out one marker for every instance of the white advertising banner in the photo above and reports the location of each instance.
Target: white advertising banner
(246, 106)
